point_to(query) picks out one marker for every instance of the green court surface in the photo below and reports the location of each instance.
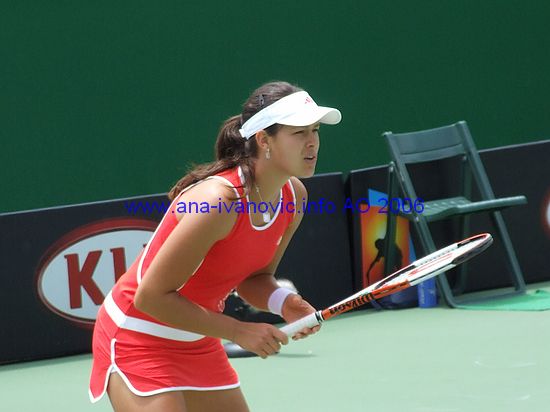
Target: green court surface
(420, 360)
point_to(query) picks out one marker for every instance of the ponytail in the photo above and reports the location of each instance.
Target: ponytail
(231, 148)
(230, 151)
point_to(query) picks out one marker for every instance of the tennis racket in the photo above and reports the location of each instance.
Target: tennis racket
(413, 274)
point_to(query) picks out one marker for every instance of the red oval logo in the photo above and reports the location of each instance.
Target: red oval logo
(79, 269)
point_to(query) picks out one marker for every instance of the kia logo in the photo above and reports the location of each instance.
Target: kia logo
(79, 270)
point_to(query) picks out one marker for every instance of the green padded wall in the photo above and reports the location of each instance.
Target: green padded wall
(103, 99)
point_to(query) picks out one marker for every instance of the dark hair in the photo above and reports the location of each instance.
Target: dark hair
(231, 148)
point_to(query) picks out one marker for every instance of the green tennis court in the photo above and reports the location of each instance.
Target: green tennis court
(436, 359)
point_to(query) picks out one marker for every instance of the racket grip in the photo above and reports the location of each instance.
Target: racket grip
(308, 321)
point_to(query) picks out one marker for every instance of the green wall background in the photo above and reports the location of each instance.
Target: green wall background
(101, 100)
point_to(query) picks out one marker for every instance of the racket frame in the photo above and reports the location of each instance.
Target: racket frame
(418, 271)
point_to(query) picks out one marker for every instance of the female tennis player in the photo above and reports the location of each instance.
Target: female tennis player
(156, 344)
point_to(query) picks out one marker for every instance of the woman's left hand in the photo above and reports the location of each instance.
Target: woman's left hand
(294, 308)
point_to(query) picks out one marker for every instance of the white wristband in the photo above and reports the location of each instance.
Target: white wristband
(276, 300)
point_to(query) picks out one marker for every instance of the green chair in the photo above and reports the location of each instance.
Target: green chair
(453, 141)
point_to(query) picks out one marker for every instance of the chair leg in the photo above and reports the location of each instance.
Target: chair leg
(464, 228)
(428, 246)
(513, 264)
(389, 239)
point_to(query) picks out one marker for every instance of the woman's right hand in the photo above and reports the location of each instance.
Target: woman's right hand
(262, 339)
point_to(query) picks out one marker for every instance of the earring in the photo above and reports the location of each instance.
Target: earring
(267, 154)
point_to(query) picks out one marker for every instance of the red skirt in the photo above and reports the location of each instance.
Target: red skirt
(150, 365)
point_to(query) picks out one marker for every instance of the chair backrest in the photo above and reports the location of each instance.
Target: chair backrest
(426, 145)
(437, 144)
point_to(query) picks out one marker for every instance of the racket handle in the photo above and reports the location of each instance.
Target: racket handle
(308, 321)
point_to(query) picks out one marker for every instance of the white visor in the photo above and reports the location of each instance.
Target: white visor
(296, 109)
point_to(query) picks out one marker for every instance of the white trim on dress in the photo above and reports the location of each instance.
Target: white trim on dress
(124, 321)
(113, 368)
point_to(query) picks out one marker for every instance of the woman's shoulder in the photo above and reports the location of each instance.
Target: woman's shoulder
(233, 176)
(298, 187)
(210, 190)
(207, 197)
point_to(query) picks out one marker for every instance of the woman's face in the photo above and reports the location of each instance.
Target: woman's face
(294, 149)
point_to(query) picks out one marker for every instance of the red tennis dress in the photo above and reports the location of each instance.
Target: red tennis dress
(152, 357)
